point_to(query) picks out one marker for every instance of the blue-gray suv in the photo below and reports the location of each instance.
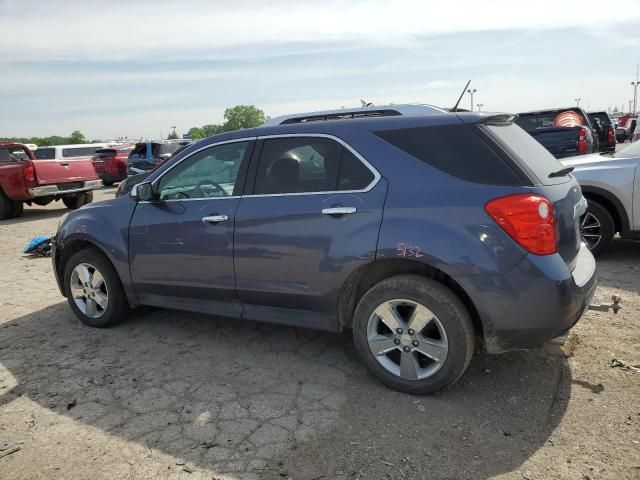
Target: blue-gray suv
(423, 234)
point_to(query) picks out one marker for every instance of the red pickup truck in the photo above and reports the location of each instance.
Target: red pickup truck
(111, 163)
(24, 179)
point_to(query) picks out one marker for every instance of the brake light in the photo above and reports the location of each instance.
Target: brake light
(611, 135)
(528, 219)
(29, 173)
(582, 140)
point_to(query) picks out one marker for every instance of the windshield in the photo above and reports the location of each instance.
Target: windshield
(632, 150)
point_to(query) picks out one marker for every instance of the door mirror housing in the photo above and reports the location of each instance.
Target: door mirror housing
(143, 192)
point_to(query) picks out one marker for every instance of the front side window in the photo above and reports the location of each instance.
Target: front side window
(45, 153)
(210, 173)
(308, 165)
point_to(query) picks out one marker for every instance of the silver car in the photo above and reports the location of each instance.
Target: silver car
(611, 184)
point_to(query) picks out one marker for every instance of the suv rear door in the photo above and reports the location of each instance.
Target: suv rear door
(310, 216)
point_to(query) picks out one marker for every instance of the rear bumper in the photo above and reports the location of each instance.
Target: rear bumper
(537, 301)
(47, 190)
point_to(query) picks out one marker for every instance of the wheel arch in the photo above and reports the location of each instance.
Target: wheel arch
(360, 281)
(611, 203)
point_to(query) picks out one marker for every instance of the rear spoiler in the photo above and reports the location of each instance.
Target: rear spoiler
(499, 119)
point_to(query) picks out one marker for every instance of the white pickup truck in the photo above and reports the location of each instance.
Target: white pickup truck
(611, 184)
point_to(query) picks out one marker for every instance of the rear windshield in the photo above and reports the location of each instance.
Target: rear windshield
(456, 150)
(12, 154)
(45, 153)
(78, 152)
(529, 151)
(553, 119)
(603, 117)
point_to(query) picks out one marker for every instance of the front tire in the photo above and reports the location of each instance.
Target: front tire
(414, 334)
(597, 228)
(76, 201)
(93, 289)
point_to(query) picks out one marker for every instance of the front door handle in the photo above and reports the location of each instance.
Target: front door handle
(339, 210)
(215, 219)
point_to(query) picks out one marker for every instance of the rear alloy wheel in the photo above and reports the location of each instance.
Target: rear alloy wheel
(597, 228)
(74, 202)
(414, 334)
(93, 289)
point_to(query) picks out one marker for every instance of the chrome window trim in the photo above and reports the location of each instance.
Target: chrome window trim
(372, 169)
(211, 145)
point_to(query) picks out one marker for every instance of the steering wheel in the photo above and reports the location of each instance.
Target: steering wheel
(207, 192)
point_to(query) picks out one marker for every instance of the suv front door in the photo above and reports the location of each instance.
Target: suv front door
(181, 246)
(311, 218)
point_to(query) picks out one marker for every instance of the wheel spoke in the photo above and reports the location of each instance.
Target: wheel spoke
(83, 273)
(591, 235)
(96, 279)
(409, 367)
(381, 344)
(76, 291)
(101, 299)
(434, 349)
(389, 315)
(91, 308)
(589, 227)
(420, 318)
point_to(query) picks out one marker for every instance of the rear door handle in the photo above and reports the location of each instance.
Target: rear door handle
(215, 219)
(339, 210)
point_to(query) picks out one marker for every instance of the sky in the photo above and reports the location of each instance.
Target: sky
(136, 68)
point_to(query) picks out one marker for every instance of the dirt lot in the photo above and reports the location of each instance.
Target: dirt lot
(175, 395)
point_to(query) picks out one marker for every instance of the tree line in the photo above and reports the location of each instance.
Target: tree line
(235, 118)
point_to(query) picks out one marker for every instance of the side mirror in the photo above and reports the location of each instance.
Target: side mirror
(143, 192)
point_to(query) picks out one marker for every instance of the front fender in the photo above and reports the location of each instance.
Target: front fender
(105, 225)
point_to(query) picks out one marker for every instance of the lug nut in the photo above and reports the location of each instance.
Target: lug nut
(396, 341)
(406, 349)
(399, 331)
(415, 343)
(411, 332)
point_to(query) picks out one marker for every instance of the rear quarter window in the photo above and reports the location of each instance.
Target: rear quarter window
(456, 150)
(78, 152)
(528, 151)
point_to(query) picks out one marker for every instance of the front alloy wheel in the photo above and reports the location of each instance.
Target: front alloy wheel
(89, 290)
(591, 230)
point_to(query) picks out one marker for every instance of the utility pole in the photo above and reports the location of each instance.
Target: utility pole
(577, 100)
(635, 93)
(471, 92)
(480, 105)
(630, 103)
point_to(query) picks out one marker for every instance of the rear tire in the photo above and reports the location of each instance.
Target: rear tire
(597, 228)
(93, 289)
(430, 341)
(76, 201)
(18, 209)
(6, 206)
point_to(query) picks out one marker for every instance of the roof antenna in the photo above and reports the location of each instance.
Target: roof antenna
(455, 107)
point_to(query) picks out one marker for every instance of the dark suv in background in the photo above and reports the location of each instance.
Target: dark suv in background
(146, 156)
(422, 234)
(604, 127)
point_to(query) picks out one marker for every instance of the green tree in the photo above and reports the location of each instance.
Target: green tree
(212, 129)
(242, 116)
(196, 133)
(77, 137)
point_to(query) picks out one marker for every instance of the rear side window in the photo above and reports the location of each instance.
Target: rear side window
(456, 150)
(603, 117)
(45, 153)
(529, 151)
(78, 152)
(308, 165)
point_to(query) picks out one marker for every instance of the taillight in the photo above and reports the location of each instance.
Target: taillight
(611, 135)
(582, 140)
(528, 219)
(29, 173)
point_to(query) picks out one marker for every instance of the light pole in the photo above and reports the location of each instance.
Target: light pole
(635, 95)
(577, 101)
(471, 92)
(480, 105)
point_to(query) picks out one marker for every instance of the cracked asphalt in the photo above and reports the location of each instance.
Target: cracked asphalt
(176, 395)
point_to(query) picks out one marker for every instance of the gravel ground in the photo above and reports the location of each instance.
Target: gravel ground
(177, 395)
